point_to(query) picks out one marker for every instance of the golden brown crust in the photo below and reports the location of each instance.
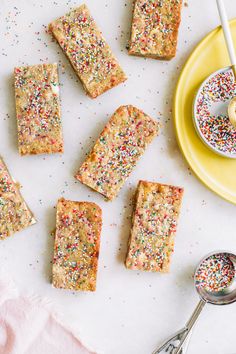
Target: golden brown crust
(155, 26)
(119, 147)
(38, 109)
(77, 243)
(87, 50)
(14, 212)
(155, 219)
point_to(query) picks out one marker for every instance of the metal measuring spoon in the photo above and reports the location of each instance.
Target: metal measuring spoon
(227, 295)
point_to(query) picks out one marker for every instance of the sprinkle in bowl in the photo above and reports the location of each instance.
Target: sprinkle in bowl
(210, 115)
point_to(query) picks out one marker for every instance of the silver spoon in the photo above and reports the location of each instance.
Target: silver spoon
(177, 343)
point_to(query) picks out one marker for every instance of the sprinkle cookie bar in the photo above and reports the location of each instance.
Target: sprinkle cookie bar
(155, 218)
(155, 27)
(77, 242)
(14, 212)
(38, 109)
(116, 152)
(88, 52)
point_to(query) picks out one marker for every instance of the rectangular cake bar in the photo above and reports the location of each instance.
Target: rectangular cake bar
(87, 50)
(38, 109)
(77, 242)
(155, 27)
(14, 212)
(155, 219)
(116, 152)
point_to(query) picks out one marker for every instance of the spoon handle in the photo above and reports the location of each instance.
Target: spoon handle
(176, 343)
(227, 33)
(190, 325)
(172, 343)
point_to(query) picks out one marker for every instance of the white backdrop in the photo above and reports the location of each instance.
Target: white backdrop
(131, 312)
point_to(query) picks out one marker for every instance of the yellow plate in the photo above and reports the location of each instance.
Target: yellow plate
(216, 172)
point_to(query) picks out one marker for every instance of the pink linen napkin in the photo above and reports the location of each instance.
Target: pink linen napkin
(28, 325)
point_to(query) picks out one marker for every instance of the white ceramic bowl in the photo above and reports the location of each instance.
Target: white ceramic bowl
(218, 108)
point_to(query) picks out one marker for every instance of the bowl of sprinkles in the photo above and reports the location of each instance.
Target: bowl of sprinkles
(210, 114)
(215, 278)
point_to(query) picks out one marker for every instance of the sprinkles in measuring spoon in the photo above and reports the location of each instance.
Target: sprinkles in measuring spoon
(216, 273)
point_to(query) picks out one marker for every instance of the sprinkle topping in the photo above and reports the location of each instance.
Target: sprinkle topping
(120, 145)
(38, 109)
(14, 213)
(87, 50)
(77, 244)
(154, 226)
(155, 28)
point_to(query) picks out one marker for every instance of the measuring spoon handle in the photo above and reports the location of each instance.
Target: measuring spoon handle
(190, 325)
(171, 343)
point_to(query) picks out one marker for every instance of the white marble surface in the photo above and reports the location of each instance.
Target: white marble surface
(131, 312)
